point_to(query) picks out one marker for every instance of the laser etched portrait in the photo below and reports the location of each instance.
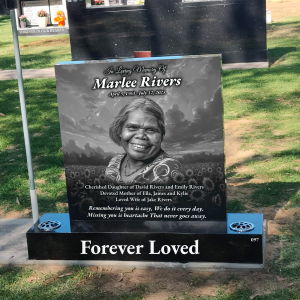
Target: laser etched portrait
(139, 128)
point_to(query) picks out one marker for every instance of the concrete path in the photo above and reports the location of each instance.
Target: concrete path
(13, 245)
(49, 72)
(30, 73)
(245, 66)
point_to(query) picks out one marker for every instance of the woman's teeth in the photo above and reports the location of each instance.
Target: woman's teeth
(138, 146)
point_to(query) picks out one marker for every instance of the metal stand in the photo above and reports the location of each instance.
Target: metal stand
(33, 196)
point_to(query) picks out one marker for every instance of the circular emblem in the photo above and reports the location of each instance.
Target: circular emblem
(241, 226)
(49, 225)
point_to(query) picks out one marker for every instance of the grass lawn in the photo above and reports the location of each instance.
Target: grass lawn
(265, 100)
(269, 99)
(36, 52)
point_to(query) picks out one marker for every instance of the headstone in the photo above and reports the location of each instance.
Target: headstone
(30, 10)
(143, 142)
(170, 27)
(55, 6)
(268, 17)
(151, 180)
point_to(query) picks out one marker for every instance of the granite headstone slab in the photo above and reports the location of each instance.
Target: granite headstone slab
(234, 28)
(124, 159)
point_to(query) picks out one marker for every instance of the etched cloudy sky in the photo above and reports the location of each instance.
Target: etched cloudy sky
(193, 110)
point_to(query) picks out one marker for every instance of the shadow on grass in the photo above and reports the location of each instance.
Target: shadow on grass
(279, 24)
(35, 60)
(269, 193)
(258, 76)
(3, 19)
(278, 52)
(281, 294)
(295, 94)
(274, 193)
(255, 92)
(255, 78)
(287, 262)
(4, 44)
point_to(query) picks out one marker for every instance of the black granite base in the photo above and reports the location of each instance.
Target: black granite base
(149, 226)
(142, 246)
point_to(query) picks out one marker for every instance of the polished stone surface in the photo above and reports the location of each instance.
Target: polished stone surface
(235, 28)
(182, 208)
(106, 39)
(149, 226)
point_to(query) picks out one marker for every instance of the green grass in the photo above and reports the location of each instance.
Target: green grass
(244, 294)
(44, 131)
(270, 99)
(288, 264)
(235, 206)
(36, 52)
(239, 294)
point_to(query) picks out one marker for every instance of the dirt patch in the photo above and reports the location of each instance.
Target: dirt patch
(46, 269)
(233, 153)
(60, 193)
(282, 217)
(40, 192)
(37, 134)
(285, 216)
(62, 176)
(12, 147)
(273, 250)
(162, 284)
(40, 181)
(62, 205)
(24, 214)
(283, 9)
(280, 144)
(167, 283)
(236, 156)
(278, 32)
(233, 131)
(55, 42)
(278, 132)
(273, 228)
(240, 193)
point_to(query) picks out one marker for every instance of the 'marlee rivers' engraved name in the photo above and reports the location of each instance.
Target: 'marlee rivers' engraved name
(147, 81)
(86, 246)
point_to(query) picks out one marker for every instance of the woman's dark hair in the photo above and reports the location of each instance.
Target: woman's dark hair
(146, 105)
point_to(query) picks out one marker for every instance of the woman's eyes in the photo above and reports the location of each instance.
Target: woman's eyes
(132, 128)
(150, 130)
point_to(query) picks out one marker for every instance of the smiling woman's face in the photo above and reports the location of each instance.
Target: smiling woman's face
(141, 136)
